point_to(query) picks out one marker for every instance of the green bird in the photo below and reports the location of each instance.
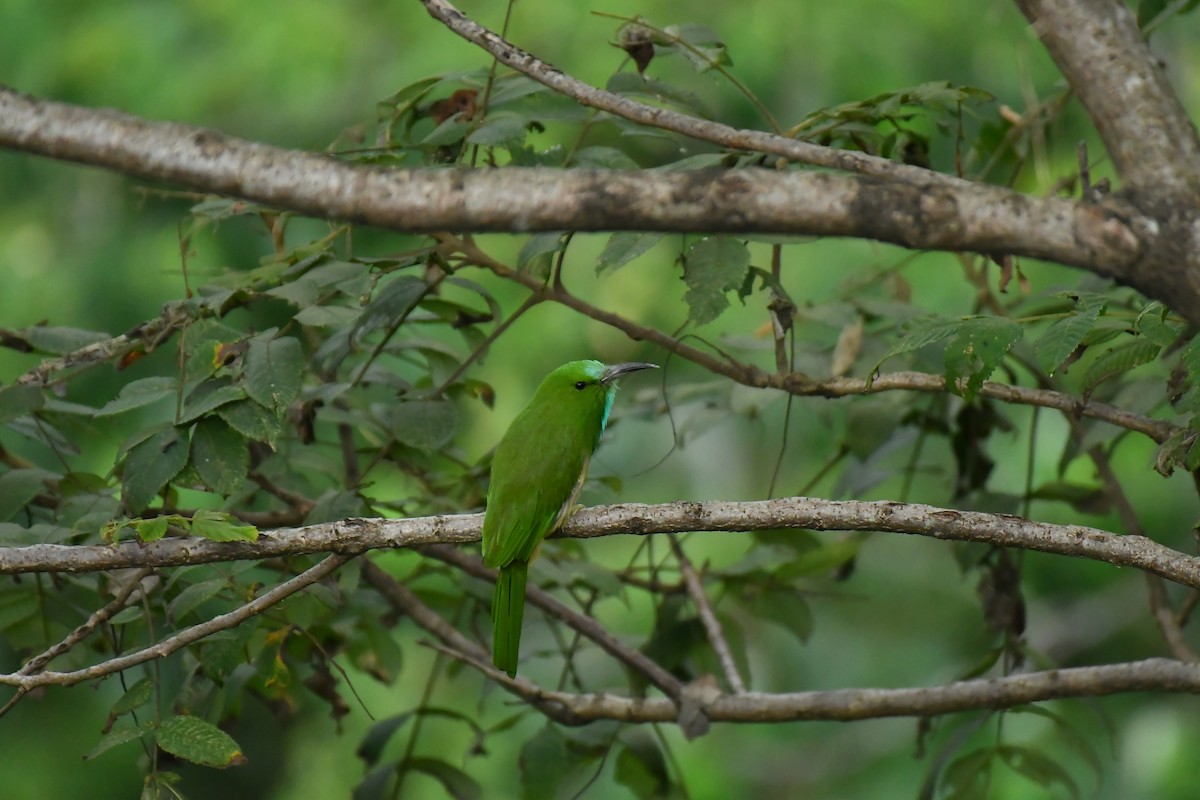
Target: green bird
(537, 473)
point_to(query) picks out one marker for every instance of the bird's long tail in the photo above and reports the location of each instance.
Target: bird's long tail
(508, 613)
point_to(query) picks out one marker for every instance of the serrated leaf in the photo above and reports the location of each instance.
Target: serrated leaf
(713, 267)
(1064, 335)
(424, 424)
(17, 401)
(150, 465)
(150, 530)
(623, 247)
(199, 742)
(392, 304)
(209, 396)
(976, 350)
(252, 421)
(921, 332)
(220, 455)
(1118, 361)
(457, 783)
(139, 393)
(220, 527)
(273, 371)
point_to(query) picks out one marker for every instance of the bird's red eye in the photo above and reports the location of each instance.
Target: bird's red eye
(581, 385)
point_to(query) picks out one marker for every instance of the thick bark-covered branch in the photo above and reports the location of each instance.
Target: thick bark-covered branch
(925, 215)
(353, 536)
(1146, 130)
(1105, 58)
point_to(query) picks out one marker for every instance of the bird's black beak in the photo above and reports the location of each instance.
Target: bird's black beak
(617, 370)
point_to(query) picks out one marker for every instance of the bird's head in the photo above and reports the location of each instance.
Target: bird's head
(588, 386)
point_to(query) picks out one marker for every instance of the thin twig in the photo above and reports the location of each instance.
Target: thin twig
(100, 616)
(712, 626)
(184, 637)
(639, 662)
(804, 386)
(666, 119)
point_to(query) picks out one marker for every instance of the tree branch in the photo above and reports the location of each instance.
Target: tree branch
(923, 215)
(846, 705)
(355, 535)
(187, 636)
(804, 385)
(1105, 58)
(751, 141)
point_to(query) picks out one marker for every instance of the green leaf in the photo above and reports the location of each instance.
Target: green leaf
(602, 157)
(1069, 735)
(392, 304)
(1037, 767)
(779, 604)
(969, 776)
(378, 735)
(17, 401)
(457, 783)
(502, 129)
(209, 396)
(274, 369)
(624, 247)
(135, 696)
(707, 50)
(251, 420)
(630, 83)
(921, 332)
(1064, 335)
(1117, 361)
(150, 530)
(191, 597)
(139, 393)
(199, 742)
(642, 769)
(220, 527)
(544, 763)
(425, 424)
(118, 737)
(975, 352)
(150, 465)
(536, 254)
(220, 455)
(19, 486)
(713, 266)
(1152, 323)
(326, 316)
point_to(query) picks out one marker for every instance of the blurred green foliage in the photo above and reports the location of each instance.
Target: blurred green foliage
(94, 252)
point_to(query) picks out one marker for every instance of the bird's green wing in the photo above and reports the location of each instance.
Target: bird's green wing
(526, 501)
